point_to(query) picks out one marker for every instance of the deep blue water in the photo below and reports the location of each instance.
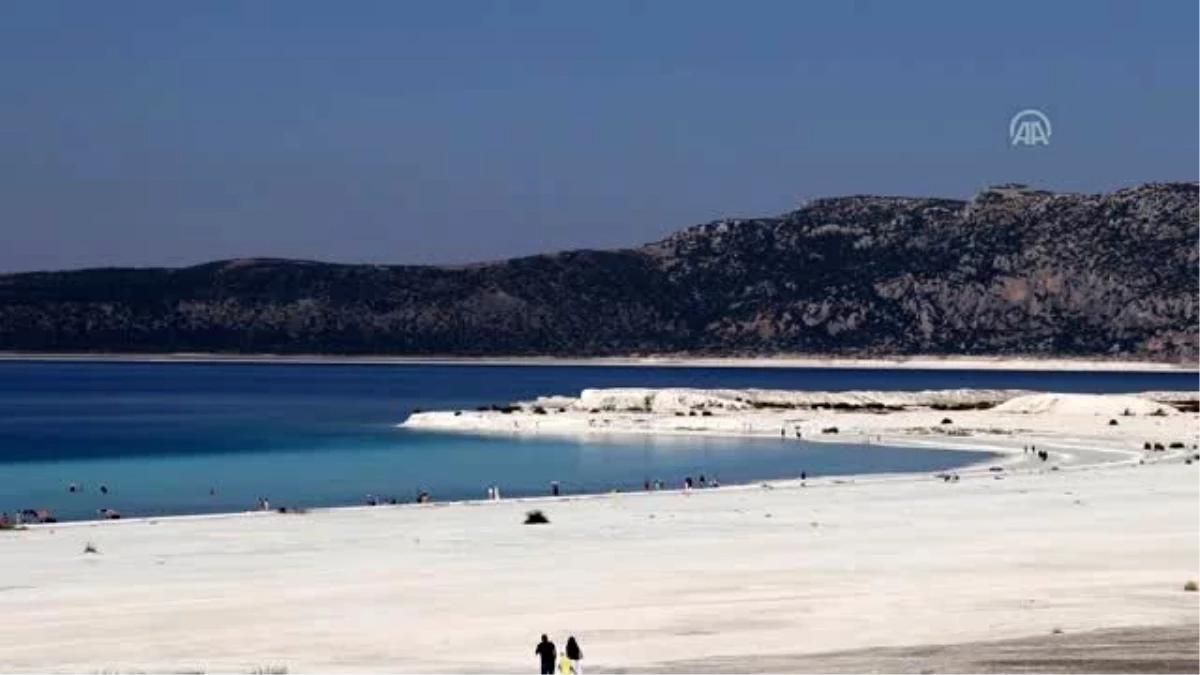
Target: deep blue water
(160, 436)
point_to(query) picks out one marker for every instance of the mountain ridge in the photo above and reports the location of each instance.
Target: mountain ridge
(1012, 271)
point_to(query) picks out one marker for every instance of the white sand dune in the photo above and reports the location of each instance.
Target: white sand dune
(642, 579)
(1108, 405)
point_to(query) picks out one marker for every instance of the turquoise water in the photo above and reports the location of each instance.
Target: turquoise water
(193, 438)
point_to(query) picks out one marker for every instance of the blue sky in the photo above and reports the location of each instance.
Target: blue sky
(165, 133)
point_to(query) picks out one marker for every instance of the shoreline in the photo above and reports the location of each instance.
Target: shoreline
(1000, 363)
(1019, 559)
(997, 455)
(826, 573)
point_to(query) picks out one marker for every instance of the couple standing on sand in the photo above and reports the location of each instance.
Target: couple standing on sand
(568, 661)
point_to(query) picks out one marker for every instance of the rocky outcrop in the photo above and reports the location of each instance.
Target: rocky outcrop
(1013, 271)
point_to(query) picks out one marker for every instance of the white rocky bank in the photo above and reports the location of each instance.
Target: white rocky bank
(827, 415)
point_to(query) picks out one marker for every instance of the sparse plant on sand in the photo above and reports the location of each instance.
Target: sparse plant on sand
(536, 517)
(1191, 586)
(90, 548)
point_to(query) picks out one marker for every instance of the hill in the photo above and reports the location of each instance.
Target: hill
(1013, 271)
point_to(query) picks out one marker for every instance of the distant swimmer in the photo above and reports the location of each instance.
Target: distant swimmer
(103, 489)
(72, 488)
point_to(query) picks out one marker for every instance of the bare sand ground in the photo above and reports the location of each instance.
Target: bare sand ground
(1151, 649)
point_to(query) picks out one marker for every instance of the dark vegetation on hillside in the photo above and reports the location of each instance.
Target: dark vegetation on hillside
(1011, 272)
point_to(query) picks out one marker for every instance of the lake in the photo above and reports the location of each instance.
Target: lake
(175, 438)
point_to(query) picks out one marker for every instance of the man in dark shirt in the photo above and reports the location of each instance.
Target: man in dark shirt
(548, 654)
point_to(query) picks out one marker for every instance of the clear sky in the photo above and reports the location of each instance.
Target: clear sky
(409, 131)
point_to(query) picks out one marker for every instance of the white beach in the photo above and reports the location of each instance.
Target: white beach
(1103, 535)
(1028, 363)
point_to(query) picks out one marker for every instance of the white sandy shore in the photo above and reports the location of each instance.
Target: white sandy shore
(642, 579)
(907, 418)
(666, 360)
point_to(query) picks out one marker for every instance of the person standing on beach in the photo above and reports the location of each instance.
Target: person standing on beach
(575, 654)
(554, 488)
(548, 654)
